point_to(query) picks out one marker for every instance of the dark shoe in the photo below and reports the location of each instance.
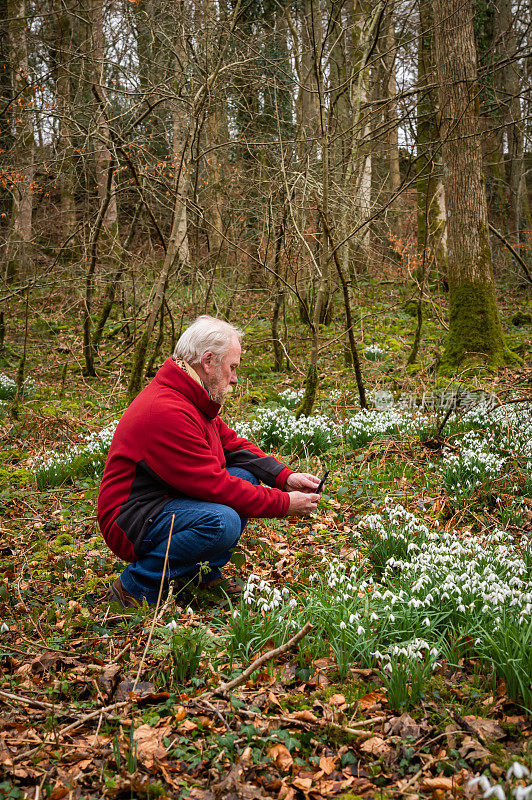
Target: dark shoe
(117, 594)
(220, 592)
(231, 587)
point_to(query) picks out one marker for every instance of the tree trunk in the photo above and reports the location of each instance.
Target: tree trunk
(101, 135)
(518, 209)
(394, 173)
(475, 332)
(171, 258)
(431, 234)
(62, 46)
(279, 294)
(18, 257)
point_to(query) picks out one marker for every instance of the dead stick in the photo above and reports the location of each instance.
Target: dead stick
(27, 700)
(354, 729)
(278, 651)
(157, 605)
(73, 725)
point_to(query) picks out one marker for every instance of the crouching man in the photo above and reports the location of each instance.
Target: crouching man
(173, 457)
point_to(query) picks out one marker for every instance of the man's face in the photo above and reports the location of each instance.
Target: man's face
(222, 374)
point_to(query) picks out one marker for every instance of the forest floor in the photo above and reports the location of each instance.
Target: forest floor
(397, 689)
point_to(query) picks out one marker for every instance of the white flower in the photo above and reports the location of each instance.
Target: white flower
(482, 781)
(4, 627)
(522, 792)
(518, 771)
(342, 625)
(495, 791)
(172, 625)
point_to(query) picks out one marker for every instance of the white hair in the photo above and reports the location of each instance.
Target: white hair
(206, 334)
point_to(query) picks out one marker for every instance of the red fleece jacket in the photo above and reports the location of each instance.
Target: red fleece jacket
(171, 442)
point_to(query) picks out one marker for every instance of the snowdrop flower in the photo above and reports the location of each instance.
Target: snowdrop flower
(360, 631)
(342, 625)
(4, 627)
(518, 771)
(426, 622)
(189, 612)
(482, 781)
(495, 791)
(522, 792)
(172, 625)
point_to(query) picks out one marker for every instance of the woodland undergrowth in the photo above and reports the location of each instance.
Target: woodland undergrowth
(415, 575)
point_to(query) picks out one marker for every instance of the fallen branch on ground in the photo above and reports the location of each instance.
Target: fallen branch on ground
(259, 662)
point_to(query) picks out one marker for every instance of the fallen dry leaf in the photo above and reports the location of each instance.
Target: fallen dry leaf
(328, 764)
(442, 783)
(472, 749)
(150, 743)
(371, 699)
(486, 728)
(281, 756)
(187, 725)
(305, 716)
(403, 726)
(304, 784)
(376, 746)
(337, 700)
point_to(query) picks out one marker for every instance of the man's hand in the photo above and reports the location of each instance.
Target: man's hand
(302, 482)
(302, 503)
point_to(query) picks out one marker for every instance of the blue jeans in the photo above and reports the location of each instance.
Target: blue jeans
(202, 532)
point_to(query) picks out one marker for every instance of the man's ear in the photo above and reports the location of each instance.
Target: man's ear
(207, 361)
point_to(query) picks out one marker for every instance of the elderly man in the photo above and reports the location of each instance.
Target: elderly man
(172, 458)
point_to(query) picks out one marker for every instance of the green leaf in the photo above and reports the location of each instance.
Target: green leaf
(238, 559)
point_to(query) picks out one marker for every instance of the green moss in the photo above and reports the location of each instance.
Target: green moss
(311, 387)
(137, 369)
(521, 318)
(350, 796)
(413, 369)
(21, 477)
(394, 344)
(12, 456)
(63, 540)
(475, 335)
(296, 702)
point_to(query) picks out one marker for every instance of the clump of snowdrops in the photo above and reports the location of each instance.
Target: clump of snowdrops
(497, 445)
(291, 398)
(8, 388)
(433, 594)
(278, 428)
(374, 352)
(369, 423)
(515, 785)
(85, 460)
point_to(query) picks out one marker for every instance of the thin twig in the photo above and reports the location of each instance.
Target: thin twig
(26, 700)
(80, 721)
(156, 607)
(271, 654)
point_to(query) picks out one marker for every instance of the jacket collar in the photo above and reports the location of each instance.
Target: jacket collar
(183, 382)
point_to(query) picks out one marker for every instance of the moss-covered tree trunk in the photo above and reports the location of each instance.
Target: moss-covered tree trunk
(475, 334)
